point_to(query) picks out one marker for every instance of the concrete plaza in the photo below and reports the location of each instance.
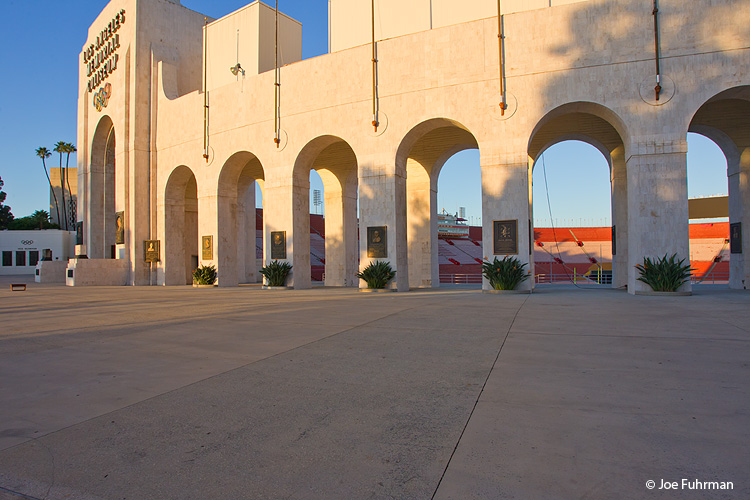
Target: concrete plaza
(243, 393)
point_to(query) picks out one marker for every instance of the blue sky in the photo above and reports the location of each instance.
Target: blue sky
(41, 44)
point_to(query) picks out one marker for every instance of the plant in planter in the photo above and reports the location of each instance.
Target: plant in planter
(377, 274)
(664, 274)
(276, 273)
(204, 275)
(504, 274)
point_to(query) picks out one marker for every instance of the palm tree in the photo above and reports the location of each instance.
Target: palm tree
(60, 148)
(44, 153)
(70, 148)
(40, 217)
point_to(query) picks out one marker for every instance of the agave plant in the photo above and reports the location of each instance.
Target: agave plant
(377, 274)
(664, 274)
(204, 275)
(504, 274)
(276, 273)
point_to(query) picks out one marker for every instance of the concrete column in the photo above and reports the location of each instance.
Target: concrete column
(247, 271)
(382, 202)
(619, 181)
(738, 169)
(421, 202)
(286, 208)
(341, 233)
(226, 238)
(505, 196)
(657, 206)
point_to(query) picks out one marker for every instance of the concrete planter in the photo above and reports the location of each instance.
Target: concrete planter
(377, 290)
(663, 294)
(508, 292)
(196, 285)
(266, 287)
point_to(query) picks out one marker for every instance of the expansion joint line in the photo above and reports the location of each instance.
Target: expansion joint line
(479, 396)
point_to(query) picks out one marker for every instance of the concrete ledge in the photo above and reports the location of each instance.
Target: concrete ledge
(196, 285)
(377, 290)
(97, 272)
(50, 271)
(503, 292)
(663, 294)
(266, 287)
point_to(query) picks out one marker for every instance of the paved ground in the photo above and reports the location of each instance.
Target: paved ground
(182, 393)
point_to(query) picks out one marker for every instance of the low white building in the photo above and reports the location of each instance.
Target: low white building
(22, 250)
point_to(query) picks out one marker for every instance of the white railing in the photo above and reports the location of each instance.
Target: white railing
(464, 279)
(712, 278)
(461, 279)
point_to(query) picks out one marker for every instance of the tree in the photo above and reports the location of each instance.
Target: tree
(60, 148)
(38, 220)
(6, 217)
(44, 153)
(70, 148)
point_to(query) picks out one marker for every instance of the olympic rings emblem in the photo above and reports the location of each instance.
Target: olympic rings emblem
(27, 242)
(101, 97)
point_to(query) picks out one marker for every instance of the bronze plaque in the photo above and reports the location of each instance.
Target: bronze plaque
(735, 237)
(79, 233)
(614, 240)
(120, 228)
(207, 247)
(278, 244)
(505, 237)
(151, 250)
(377, 242)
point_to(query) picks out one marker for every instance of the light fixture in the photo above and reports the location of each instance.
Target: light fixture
(236, 69)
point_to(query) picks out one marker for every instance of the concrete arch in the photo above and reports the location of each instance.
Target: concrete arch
(180, 226)
(420, 157)
(603, 129)
(584, 119)
(100, 178)
(237, 221)
(725, 119)
(336, 163)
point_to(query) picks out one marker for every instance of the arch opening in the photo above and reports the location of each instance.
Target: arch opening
(587, 196)
(101, 227)
(719, 198)
(327, 250)
(421, 157)
(181, 243)
(240, 225)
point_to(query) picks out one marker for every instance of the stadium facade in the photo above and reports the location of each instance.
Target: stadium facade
(180, 116)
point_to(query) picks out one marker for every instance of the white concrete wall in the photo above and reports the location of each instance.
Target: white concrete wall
(351, 20)
(597, 53)
(62, 244)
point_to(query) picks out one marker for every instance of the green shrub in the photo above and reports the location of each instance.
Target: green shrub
(377, 274)
(276, 273)
(664, 275)
(204, 275)
(504, 274)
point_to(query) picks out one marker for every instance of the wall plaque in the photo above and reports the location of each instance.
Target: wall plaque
(120, 228)
(505, 237)
(207, 247)
(79, 233)
(614, 240)
(735, 237)
(377, 242)
(278, 244)
(151, 250)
